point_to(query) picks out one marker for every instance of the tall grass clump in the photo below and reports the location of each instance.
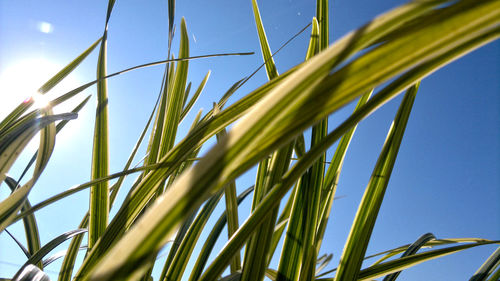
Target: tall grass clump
(177, 190)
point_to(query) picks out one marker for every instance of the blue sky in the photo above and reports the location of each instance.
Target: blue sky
(446, 178)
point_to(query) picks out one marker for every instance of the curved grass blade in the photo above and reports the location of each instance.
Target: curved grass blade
(409, 261)
(212, 238)
(30, 225)
(59, 127)
(413, 249)
(488, 267)
(59, 255)
(12, 145)
(19, 244)
(31, 273)
(389, 267)
(38, 256)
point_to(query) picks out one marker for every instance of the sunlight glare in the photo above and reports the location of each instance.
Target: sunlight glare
(20, 81)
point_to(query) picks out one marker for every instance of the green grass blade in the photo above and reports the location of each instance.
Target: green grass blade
(175, 95)
(332, 175)
(359, 236)
(99, 201)
(59, 127)
(495, 276)
(264, 45)
(298, 235)
(231, 206)
(212, 238)
(488, 267)
(322, 16)
(195, 96)
(258, 252)
(71, 254)
(186, 247)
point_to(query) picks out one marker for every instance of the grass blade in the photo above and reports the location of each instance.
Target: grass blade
(38, 256)
(195, 96)
(212, 238)
(332, 175)
(30, 273)
(488, 267)
(99, 201)
(29, 222)
(359, 236)
(412, 249)
(10, 147)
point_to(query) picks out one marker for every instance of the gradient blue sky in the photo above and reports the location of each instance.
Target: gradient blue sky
(446, 180)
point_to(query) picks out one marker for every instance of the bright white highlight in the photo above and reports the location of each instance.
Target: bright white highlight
(40, 100)
(45, 27)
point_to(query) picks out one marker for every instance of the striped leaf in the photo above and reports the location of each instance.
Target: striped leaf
(359, 236)
(99, 201)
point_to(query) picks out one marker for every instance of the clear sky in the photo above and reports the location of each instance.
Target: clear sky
(446, 179)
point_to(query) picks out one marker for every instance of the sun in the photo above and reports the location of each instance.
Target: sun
(20, 81)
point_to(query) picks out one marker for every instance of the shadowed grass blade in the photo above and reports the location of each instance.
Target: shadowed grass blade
(29, 222)
(31, 273)
(38, 256)
(421, 241)
(488, 267)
